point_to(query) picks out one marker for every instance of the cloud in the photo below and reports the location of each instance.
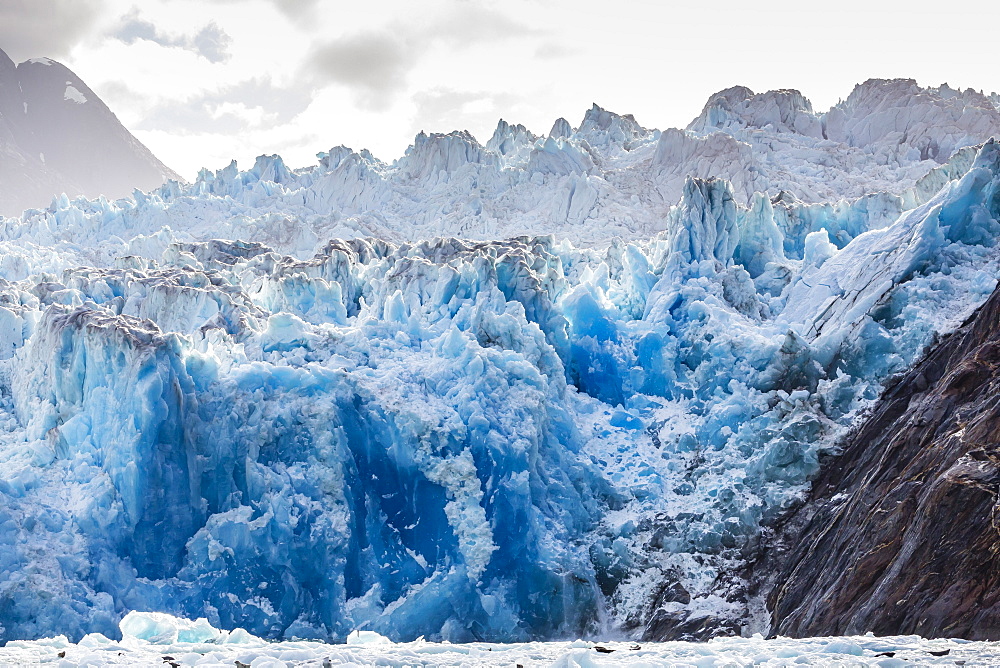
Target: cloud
(469, 23)
(296, 9)
(552, 50)
(446, 109)
(284, 102)
(51, 28)
(211, 42)
(300, 11)
(375, 63)
(247, 105)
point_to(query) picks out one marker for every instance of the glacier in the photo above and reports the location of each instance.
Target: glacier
(389, 409)
(887, 148)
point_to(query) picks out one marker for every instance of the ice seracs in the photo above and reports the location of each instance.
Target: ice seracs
(934, 122)
(511, 142)
(608, 178)
(352, 424)
(679, 154)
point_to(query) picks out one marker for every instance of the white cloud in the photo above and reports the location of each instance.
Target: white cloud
(375, 63)
(211, 42)
(300, 11)
(50, 28)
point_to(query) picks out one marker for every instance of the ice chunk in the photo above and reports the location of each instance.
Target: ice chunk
(366, 638)
(162, 629)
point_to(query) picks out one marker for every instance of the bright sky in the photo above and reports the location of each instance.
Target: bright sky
(203, 81)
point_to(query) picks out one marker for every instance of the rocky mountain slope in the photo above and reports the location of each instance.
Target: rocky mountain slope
(57, 136)
(900, 531)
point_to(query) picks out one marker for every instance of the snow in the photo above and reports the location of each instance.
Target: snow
(365, 648)
(74, 95)
(383, 419)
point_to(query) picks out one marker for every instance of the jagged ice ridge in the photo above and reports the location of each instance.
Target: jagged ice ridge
(462, 438)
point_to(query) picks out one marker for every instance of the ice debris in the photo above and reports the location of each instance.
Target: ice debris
(868, 650)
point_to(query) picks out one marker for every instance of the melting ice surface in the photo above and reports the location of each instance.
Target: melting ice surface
(156, 638)
(466, 441)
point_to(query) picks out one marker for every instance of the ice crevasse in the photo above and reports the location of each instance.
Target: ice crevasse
(460, 440)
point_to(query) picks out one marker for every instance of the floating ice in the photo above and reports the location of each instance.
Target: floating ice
(161, 629)
(856, 651)
(366, 638)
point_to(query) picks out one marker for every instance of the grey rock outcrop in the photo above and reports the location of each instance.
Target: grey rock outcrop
(57, 136)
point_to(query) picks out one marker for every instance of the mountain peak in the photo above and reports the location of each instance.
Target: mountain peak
(5, 62)
(60, 137)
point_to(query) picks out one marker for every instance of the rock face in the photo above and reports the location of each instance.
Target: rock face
(57, 136)
(900, 534)
(23, 174)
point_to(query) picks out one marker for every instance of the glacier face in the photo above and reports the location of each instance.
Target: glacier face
(608, 178)
(457, 438)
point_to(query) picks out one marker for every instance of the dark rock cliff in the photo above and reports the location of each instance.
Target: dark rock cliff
(901, 532)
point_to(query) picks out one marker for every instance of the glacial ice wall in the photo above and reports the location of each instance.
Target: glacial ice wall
(463, 440)
(607, 178)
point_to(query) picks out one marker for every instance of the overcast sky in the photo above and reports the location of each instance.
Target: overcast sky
(203, 81)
